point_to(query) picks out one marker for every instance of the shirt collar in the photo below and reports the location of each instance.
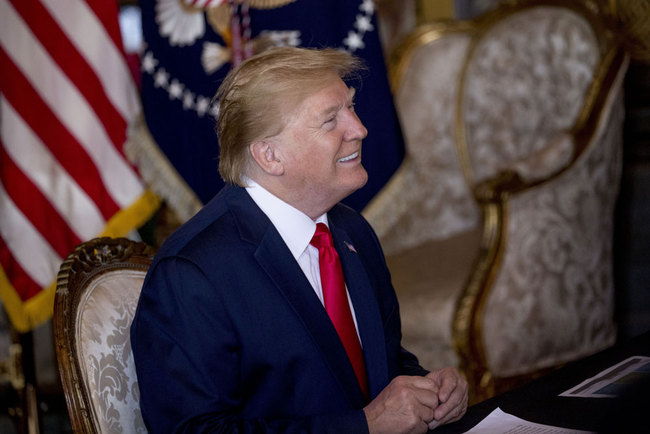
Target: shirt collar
(295, 227)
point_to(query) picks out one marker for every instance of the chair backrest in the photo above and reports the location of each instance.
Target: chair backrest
(428, 198)
(525, 86)
(97, 293)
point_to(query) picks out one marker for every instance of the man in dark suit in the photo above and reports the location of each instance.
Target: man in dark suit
(237, 329)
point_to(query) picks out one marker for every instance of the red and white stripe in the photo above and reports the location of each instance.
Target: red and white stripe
(66, 99)
(203, 3)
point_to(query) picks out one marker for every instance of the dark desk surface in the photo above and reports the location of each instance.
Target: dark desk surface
(539, 402)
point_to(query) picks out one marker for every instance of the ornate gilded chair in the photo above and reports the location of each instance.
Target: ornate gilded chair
(498, 226)
(97, 292)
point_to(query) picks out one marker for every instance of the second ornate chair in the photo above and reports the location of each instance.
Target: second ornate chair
(498, 226)
(97, 292)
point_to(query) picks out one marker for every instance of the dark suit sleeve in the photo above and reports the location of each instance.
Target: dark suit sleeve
(187, 360)
(409, 365)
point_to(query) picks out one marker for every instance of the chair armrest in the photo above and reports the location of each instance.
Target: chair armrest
(537, 167)
(548, 161)
(496, 189)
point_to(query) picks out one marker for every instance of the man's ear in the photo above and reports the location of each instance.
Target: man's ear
(264, 154)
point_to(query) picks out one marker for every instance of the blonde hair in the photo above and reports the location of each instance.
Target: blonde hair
(254, 97)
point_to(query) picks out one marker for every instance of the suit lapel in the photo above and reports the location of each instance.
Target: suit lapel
(277, 261)
(364, 300)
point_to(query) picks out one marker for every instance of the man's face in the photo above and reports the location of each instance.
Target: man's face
(320, 147)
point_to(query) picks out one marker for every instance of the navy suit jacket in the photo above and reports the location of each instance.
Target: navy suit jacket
(230, 336)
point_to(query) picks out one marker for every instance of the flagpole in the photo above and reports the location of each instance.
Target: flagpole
(20, 370)
(28, 395)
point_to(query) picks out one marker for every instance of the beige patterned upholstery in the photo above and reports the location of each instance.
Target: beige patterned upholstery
(428, 198)
(97, 293)
(498, 226)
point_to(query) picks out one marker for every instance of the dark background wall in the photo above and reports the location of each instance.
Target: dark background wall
(632, 233)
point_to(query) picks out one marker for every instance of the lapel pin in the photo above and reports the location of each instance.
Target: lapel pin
(350, 247)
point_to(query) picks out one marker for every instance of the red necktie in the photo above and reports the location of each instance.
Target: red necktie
(336, 301)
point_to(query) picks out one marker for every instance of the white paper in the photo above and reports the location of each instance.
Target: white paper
(612, 381)
(499, 422)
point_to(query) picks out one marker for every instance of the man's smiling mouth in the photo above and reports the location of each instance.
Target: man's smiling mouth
(349, 157)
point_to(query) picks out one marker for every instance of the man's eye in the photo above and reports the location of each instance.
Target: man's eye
(351, 107)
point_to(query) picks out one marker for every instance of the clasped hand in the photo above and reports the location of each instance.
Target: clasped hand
(417, 404)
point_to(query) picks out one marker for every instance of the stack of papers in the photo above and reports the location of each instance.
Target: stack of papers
(499, 422)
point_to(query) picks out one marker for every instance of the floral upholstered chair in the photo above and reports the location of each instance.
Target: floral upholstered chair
(498, 226)
(97, 292)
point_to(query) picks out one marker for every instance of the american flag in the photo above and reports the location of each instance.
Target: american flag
(66, 100)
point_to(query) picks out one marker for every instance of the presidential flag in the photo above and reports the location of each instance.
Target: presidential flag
(66, 99)
(190, 45)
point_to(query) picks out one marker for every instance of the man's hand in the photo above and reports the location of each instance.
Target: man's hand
(406, 405)
(452, 396)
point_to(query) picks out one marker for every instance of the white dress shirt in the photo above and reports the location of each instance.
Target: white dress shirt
(296, 229)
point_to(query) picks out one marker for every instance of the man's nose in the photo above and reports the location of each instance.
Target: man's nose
(356, 130)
